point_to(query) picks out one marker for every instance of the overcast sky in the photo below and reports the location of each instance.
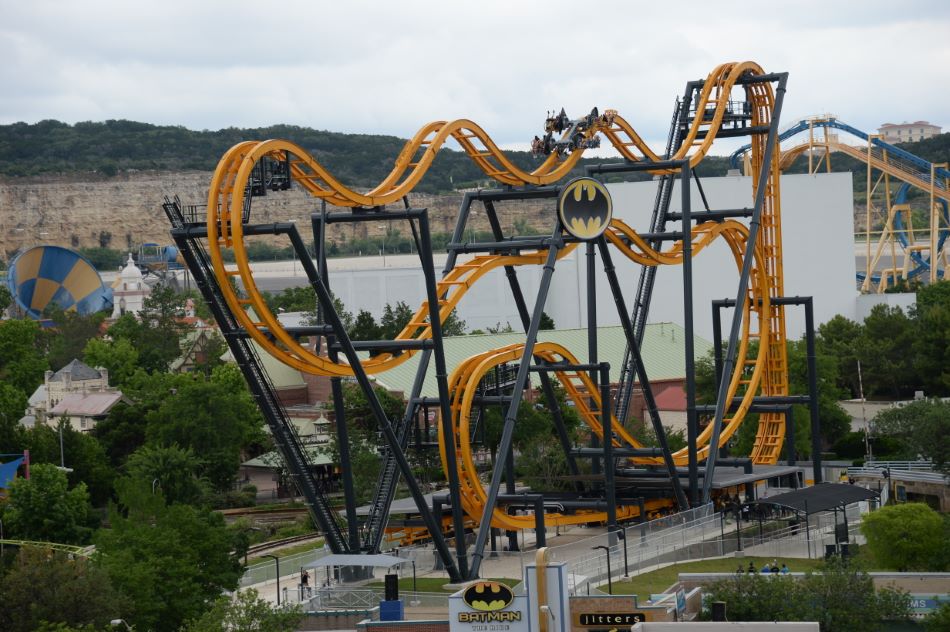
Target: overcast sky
(389, 67)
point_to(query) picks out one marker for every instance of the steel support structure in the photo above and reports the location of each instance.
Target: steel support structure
(507, 435)
(742, 292)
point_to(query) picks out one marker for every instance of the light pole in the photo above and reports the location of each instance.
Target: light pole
(117, 622)
(610, 586)
(277, 562)
(62, 458)
(385, 234)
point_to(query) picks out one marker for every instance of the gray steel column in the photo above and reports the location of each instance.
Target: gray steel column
(606, 420)
(692, 424)
(336, 389)
(521, 380)
(595, 465)
(441, 376)
(434, 527)
(717, 339)
(642, 373)
(813, 390)
(525, 316)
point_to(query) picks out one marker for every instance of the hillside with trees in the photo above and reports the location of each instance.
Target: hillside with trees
(106, 148)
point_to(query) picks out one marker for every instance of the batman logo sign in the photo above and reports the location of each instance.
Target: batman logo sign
(585, 208)
(487, 596)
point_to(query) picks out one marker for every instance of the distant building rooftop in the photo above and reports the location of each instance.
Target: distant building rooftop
(77, 371)
(663, 353)
(86, 405)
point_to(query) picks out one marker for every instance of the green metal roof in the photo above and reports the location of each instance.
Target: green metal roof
(318, 456)
(663, 353)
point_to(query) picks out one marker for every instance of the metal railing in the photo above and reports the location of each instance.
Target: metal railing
(898, 474)
(921, 465)
(361, 598)
(709, 537)
(266, 570)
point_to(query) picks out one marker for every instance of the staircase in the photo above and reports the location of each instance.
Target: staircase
(187, 235)
(375, 525)
(641, 305)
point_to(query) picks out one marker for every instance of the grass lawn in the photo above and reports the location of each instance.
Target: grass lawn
(659, 580)
(435, 584)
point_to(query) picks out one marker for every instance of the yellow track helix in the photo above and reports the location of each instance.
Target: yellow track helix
(767, 370)
(464, 381)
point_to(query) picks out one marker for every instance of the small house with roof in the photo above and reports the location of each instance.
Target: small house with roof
(77, 392)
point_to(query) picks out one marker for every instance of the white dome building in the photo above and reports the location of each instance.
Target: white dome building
(129, 290)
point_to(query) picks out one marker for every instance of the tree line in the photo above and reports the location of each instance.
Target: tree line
(109, 147)
(141, 486)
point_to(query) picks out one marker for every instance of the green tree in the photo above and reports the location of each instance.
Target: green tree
(246, 612)
(939, 619)
(118, 356)
(534, 423)
(209, 357)
(69, 335)
(173, 561)
(358, 412)
(931, 346)
(81, 452)
(834, 421)
(22, 355)
(921, 429)
(643, 432)
(5, 298)
(12, 405)
(394, 319)
(213, 419)
(55, 588)
(907, 537)
(172, 469)
(365, 327)
(156, 334)
(886, 365)
(292, 299)
(840, 597)
(546, 322)
(43, 508)
(837, 338)
(122, 432)
(453, 325)
(363, 435)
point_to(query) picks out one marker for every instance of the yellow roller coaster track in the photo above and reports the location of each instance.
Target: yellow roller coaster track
(766, 373)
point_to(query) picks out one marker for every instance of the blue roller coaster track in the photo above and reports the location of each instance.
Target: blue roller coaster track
(921, 263)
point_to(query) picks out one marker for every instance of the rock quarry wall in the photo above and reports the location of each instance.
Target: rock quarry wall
(124, 211)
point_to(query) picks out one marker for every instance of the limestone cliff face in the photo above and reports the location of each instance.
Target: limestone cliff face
(124, 211)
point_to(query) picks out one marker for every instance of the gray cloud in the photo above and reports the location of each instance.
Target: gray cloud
(389, 67)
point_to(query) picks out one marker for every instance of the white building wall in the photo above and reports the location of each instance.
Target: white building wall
(866, 302)
(818, 247)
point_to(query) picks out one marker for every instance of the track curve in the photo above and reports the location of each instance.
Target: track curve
(763, 326)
